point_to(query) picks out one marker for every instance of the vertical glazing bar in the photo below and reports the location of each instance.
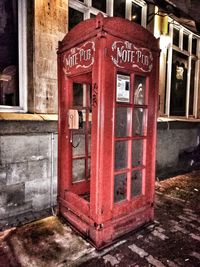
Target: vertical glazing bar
(197, 72)
(188, 87)
(109, 7)
(168, 87)
(86, 89)
(130, 125)
(169, 71)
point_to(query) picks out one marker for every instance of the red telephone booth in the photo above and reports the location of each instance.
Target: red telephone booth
(108, 90)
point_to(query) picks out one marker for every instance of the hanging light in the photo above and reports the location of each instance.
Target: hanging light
(134, 17)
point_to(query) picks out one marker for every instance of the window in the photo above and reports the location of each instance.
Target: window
(81, 10)
(131, 110)
(119, 8)
(136, 15)
(182, 72)
(100, 5)
(75, 17)
(134, 10)
(175, 36)
(178, 84)
(13, 55)
(185, 41)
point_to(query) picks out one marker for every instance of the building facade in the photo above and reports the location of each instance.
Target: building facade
(29, 35)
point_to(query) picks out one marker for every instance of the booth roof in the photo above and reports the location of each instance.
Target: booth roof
(115, 26)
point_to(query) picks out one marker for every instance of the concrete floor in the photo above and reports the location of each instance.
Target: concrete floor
(172, 240)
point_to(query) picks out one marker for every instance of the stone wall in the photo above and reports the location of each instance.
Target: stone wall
(173, 140)
(47, 24)
(28, 168)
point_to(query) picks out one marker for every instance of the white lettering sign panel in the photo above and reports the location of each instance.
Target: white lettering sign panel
(79, 58)
(126, 55)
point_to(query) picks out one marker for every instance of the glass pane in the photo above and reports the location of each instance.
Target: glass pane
(178, 84)
(192, 80)
(175, 37)
(139, 90)
(194, 46)
(101, 5)
(120, 185)
(139, 124)
(137, 153)
(9, 87)
(78, 170)
(121, 149)
(122, 118)
(90, 127)
(75, 17)
(123, 88)
(136, 183)
(78, 145)
(119, 8)
(77, 94)
(185, 42)
(136, 13)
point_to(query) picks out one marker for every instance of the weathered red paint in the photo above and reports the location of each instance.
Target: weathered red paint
(94, 52)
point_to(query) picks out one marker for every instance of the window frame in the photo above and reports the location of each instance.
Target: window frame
(22, 60)
(188, 53)
(140, 3)
(87, 9)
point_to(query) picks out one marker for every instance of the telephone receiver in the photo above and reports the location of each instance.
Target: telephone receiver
(75, 119)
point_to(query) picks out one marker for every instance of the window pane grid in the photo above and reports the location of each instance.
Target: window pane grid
(13, 63)
(133, 10)
(130, 137)
(81, 152)
(187, 48)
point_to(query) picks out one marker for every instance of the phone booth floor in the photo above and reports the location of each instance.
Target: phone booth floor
(108, 91)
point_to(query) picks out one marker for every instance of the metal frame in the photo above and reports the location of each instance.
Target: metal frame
(22, 65)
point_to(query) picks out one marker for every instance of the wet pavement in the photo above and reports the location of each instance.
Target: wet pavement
(172, 240)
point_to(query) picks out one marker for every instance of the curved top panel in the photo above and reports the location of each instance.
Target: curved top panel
(115, 26)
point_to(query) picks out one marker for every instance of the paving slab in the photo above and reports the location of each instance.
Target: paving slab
(172, 240)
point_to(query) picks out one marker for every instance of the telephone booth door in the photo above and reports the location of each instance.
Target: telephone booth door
(79, 123)
(108, 90)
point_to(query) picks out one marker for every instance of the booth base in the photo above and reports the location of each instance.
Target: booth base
(105, 234)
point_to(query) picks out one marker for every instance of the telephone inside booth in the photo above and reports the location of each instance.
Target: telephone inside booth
(108, 90)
